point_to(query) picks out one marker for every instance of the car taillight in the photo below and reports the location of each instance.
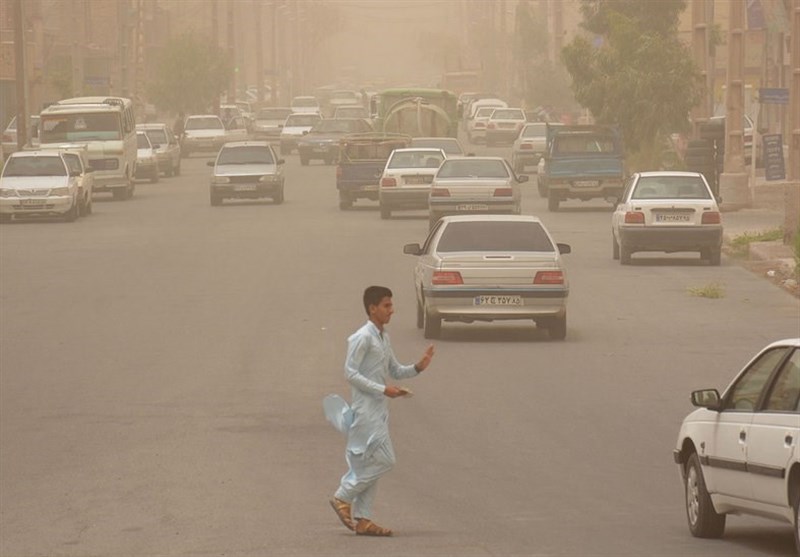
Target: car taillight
(711, 217)
(338, 172)
(549, 277)
(490, 125)
(7, 138)
(526, 146)
(388, 182)
(634, 217)
(440, 192)
(480, 125)
(447, 277)
(503, 192)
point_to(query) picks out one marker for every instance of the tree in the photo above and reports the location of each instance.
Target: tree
(190, 75)
(636, 73)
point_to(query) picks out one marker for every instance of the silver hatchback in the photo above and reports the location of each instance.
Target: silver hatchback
(489, 268)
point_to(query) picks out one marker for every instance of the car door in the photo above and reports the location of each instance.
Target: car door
(725, 452)
(619, 211)
(426, 263)
(774, 435)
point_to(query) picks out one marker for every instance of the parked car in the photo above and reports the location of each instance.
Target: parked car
(748, 128)
(247, 170)
(146, 160)
(669, 212)
(504, 125)
(450, 145)
(165, 146)
(530, 146)
(322, 141)
(305, 105)
(9, 139)
(203, 132)
(269, 123)
(228, 111)
(406, 179)
(293, 129)
(474, 185)
(739, 452)
(490, 268)
(342, 98)
(77, 159)
(39, 183)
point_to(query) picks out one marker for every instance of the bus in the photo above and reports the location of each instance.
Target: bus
(417, 112)
(107, 126)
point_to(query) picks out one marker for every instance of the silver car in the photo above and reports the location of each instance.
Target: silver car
(203, 132)
(246, 170)
(406, 179)
(488, 268)
(269, 122)
(530, 146)
(475, 185)
(165, 146)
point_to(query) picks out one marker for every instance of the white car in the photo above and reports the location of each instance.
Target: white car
(739, 452)
(269, 122)
(530, 146)
(39, 183)
(305, 105)
(450, 145)
(667, 212)
(293, 129)
(165, 145)
(489, 268)
(476, 126)
(146, 158)
(203, 132)
(246, 170)
(504, 125)
(406, 179)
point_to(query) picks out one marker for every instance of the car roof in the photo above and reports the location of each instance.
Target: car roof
(245, 144)
(479, 158)
(37, 153)
(418, 150)
(150, 126)
(794, 342)
(490, 218)
(447, 139)
(666, 173)
(203, 116)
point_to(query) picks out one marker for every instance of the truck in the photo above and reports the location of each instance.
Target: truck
(582, 162)
(362, 157)
(417, 112)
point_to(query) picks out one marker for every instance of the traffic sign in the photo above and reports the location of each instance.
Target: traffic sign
(773, 96)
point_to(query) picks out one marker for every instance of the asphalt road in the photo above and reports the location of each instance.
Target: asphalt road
(163, 362)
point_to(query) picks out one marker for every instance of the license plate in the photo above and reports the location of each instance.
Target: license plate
(672, 218)
(498, 300)
(586, 184)
(33, 202)
(417, 180)
(245, 187)
(472, 207)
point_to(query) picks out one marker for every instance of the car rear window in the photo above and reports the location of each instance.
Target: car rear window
(670, 187)
(142, 141)
(204, 124)
(245, 155)
(302, 119)
(494, 236)
(509, 114)
(535, 130)
(450, 147)
(157, 137)
(416, 159)
(472, 168)
(584, 144)
(274, 114)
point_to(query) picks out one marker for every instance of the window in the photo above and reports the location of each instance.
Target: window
(785, 394)
(671, 187)
(473, 168)
(157, 137)
(73, 163)
(142, 142)
(416, 159)
(745, 393)
(494, 236)
(90, 126)
(583, 143)
(246, 155)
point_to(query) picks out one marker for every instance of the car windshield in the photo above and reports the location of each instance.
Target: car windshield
(472, 168)
(157, 137)
(91, 126)
(494, 236)
(534, 130)
(73, 162)
(583, 143)
(302, 120)
(251, 154)
(670, 187)
(273, 114)
(451, 147)
(142, 142)
(485, 112)
(207, 123)
(305, 102)
(337, 126)
(416, 159)
(35, 166)
(508, 114)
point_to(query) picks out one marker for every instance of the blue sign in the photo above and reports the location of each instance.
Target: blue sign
(774, 167)
(773, 96)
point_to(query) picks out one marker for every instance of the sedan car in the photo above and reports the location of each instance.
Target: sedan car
(476, 126)
(489, 268)
(165, 146)
(269, 123)
(504, 125)
(247, 170)
(322, 141)
(474, 185)
(146, 160)
(667, 212)
(39, 183)
(450, 145)
(739, 452)
(406, 179)
(293, 129)
(529, 146)
(305, 105)
(203, 132)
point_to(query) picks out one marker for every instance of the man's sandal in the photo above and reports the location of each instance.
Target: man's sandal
(366, 527)
(342, 510)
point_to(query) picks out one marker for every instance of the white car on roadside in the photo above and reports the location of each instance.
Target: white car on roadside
(739, 452)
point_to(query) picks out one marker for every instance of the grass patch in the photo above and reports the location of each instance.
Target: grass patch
(712, 290)
(740, 245)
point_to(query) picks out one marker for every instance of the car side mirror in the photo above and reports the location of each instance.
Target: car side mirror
(210, 163)
(706, 398)
(88, 169)
(280, 126)
(156, 145)
(75, 173)
(305, 132)
(522, 178)
(281, 161)
(412, 249)
(564, 248)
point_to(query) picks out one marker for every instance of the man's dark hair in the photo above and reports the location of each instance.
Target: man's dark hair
(373, 296)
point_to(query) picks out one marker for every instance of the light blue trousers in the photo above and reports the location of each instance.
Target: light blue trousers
(359, 485)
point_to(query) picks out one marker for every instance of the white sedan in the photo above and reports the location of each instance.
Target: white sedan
(490, 268)
(406, 179)
(667, 212)
(739, 452)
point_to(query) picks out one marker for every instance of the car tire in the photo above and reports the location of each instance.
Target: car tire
(216, 200)
(703, 520)
(420, 316)
(715, 257)
(625, 254)
(614, 247)
(432, 325)
(552, 203)
(797, 522)
(169, 172)
(176, 170)
(557, 328)
(303, 160)
(345, 202)
(120, 194)
(386, 212)
(73, 213)
(155, 177)
(278, 198)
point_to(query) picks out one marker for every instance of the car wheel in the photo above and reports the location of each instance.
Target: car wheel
(155, 177)
(278, 199)
(89, 207)
(614, 247)
(345, 203)
(386, 212)
(552, 203)
(176, 170)
(303, 160)
(713, 255)
(420, 316)
(73, 213)
(797, 522)
(431, 324)
(215, 200)
(704, 521)
(625, 254)
(557, 329)
(120, 194)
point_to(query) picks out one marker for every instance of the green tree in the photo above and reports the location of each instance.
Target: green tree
(636, 73)
(191, 73)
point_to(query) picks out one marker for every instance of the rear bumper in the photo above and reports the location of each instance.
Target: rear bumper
(507, 136)
(202, 144)
(246, 191)
(569, 190)
(690, 238)
(528, 158)
(472, 206)
(459, 303)
(318, 151)
(404, 198)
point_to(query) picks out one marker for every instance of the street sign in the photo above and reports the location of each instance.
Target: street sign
(774, 167)
(773, 96)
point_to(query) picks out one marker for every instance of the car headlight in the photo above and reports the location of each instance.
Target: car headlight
(64, 190)
(268, 178)
(221, 180)
(8, 192)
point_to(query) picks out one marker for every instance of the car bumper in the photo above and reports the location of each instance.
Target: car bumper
(53, 205)
(246, 190)
(146, 169)
(318, 151)
(288, 143)
(204, 144)
(569, 190)
(690, 238)
(165, 160)
(507, 136)
(405, 198)
(459, 303)
(469, 206)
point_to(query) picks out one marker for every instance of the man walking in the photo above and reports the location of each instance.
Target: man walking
(370, 363)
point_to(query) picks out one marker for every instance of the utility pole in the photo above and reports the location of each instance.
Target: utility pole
(122, 46)
(295, 52)
(138, 82)
(791, 225)
(274, 53)
(259, 51)
(503, 49)
(734, 186)
(231, 51)
(20, 75)
(701, 22)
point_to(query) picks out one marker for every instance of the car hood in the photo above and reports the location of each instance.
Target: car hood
(244, 169)
(323, 137)
(33, 182)
(292, 130)
(204, 133)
